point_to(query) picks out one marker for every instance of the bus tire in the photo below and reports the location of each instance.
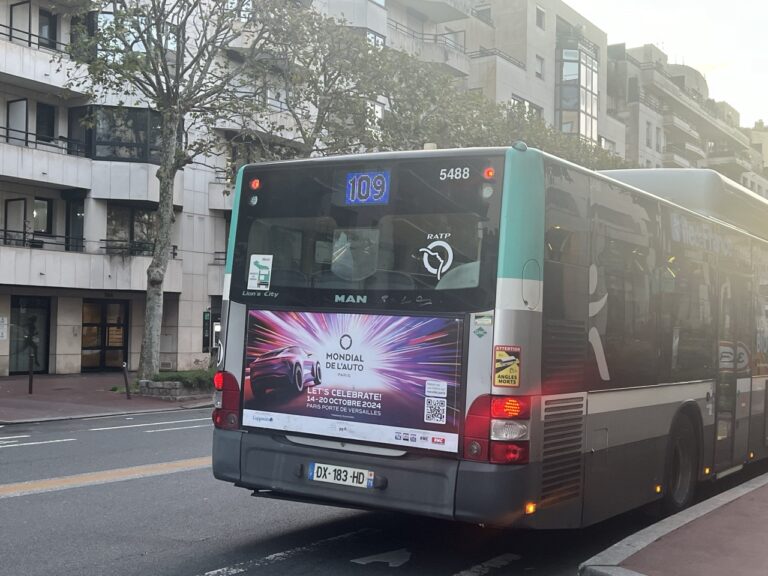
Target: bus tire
(681, 470)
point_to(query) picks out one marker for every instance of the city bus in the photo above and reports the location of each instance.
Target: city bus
(494, 336)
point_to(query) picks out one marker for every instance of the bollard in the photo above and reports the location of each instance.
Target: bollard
(31, 372)
(125, 377)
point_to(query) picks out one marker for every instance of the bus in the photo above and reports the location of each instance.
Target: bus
(491, 335)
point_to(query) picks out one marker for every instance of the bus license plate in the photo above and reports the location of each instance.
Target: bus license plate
(341, 475)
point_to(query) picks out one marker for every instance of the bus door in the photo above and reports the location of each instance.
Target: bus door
(733, 384)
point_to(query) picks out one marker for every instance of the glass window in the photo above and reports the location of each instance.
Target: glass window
(686, 281)
(569, 97)
(565, 215)
(46, 123)
(541, 18)
(624, 229)
(539, 67)
(435, 238)
(47, 29)
(570, 54)
(42, 216)
(570, 71)
(569, 121)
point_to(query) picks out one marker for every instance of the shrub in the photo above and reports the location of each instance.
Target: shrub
(197, 379)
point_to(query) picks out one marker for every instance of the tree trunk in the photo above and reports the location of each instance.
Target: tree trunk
(149, 361)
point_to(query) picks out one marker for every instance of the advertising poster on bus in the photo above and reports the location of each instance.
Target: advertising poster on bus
(383, 379)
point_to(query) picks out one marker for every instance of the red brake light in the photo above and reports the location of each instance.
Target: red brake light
(489, 173)
(510, 407)
(226, 401)
(255, 184)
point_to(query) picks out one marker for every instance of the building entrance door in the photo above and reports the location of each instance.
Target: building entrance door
(105, 335)
(30, 322)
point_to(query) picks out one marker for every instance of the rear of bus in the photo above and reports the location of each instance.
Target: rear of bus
(363, 363)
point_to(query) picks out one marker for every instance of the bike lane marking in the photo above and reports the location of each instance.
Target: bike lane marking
(103, 477)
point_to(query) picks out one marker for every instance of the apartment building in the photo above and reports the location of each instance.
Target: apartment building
(76, 212)
(541, 53)
(672, 121)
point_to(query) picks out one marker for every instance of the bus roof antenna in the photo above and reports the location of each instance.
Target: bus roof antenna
(520, 146)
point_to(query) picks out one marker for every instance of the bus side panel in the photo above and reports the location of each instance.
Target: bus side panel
(627, 446)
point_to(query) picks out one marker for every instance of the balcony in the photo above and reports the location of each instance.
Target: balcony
(73, 262)
(35, 159)
(674, 157)
(731, 163)
(31, 61)
(443, 49)
(694, 152)
(676, 126)
(655, 78)
(129, 180)
(221, 192)
(442, 10)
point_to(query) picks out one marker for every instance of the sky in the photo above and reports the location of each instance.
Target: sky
(727, 41)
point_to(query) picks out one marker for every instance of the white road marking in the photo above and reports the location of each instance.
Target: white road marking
(37, 443)
(395, 558)
(181, 428)
(149, 424)
(13, 437)
(280, 556)
(488, 565)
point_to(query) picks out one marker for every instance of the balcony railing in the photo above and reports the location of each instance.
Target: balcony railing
(445, 39)
(57, 144)
(27, 239)
(113, 246)
(70, 243)
(482, 53)
(26, 38)
(219, 258)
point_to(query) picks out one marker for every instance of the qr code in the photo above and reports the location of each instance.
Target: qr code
(434, 410)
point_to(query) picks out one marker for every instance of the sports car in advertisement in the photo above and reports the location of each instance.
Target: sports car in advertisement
(383, 379)
(289, 366)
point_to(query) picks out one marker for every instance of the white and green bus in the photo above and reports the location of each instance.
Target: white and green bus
(492, 335)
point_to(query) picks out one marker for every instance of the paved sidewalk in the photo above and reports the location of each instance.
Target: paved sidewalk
(727, 534)
(61, 397)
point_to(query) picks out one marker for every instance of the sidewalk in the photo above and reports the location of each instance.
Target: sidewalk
(66, 396)
(726, 534)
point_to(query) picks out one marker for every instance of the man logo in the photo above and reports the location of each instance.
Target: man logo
(350, 299)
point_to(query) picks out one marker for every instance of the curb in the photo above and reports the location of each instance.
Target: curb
(172, 408)
(606, 563)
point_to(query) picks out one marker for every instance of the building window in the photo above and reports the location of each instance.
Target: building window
(577, 92)
(658, 139)
(112, 133)
(42, 216)
(46, 123)
(648, 135)
(130, 230)
(375, 39)
(541, 18)
(46, 29)
(540, 67)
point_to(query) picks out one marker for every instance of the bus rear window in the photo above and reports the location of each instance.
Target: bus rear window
(301, 238)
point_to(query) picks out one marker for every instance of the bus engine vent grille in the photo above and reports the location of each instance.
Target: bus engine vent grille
(562, 449)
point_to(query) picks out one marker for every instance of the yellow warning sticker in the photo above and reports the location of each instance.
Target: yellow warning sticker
(507, 366)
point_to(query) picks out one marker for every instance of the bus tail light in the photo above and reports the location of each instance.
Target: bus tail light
(496, 430)
(226, 401)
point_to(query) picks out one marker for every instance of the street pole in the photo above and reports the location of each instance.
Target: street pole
(125, 377)
(31, 359)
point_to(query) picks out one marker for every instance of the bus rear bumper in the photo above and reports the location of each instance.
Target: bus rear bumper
(272, 466)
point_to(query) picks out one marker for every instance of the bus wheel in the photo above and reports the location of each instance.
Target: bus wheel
(298, 378)
(682, 467)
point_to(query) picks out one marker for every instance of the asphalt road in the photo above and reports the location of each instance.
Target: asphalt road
(135, 496)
